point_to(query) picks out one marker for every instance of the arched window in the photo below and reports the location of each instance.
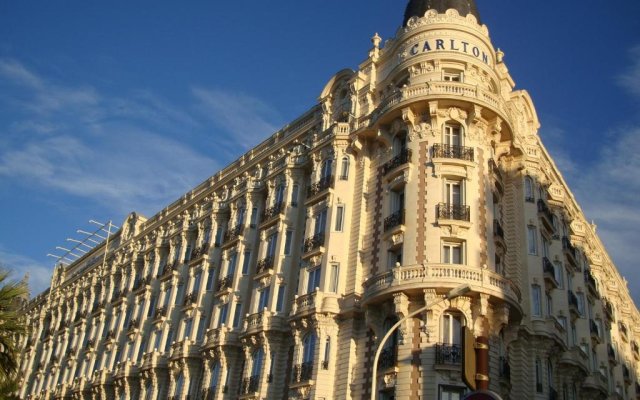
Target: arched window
(344, 169)
(528, 189)
(257, 359)
(308, 348)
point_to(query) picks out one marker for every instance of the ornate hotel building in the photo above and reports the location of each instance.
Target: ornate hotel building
(278, 276)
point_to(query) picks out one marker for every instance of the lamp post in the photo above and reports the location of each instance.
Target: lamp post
(459, 291)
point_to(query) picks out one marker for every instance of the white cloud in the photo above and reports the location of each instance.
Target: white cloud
(247, 118)
(16, 73)
(39, 274)
(630, 80)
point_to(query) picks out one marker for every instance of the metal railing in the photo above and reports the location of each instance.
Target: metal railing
(448, 354)
(323, 184)
(224, 283)
(393, 220)
(402, 158)
(314, 242)
(264, 265)
(302, 372)
(250, 384)
(453, 151)
(271, 212)
(454, 212)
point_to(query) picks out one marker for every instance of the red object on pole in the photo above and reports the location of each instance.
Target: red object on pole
(482, 363)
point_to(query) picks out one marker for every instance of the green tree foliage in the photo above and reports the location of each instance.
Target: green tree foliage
(12, 295)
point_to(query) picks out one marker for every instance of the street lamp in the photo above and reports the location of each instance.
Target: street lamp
(459, 291)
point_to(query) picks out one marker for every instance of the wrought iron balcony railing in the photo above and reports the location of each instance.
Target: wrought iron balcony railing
(548, 267)
(448, 354)
(250, 384)
(452, 151)
(454, 212)
(264, 265)
(393, 220)
(190, 298)
(544, 209)
(403, 158)
(314, 242)
(323, 184)
(233, 233)
(224, 283)
(271, 212)
(388, 358)
(302, 372)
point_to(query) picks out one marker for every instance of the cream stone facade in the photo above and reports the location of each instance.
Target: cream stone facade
(277, 277)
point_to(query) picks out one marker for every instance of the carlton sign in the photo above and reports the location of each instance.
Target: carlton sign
(433, 45)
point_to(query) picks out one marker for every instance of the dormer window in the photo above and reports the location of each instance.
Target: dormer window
(451, 75)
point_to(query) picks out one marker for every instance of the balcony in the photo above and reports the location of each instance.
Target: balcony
(394, 220)
(442, 276)
(232, 234)
(388, 359)
(160, 312)
(549, 271)
(318, 187)
(314, 242)
(302, 372)
(170, 267)
(190, 299)
(250, 385)
(453, 152)
(272, 212)
(264, 321)
(224, 284)
(133, 325)
(453, 212)
(200, 252)
(574, 307)
(264, 267)
(595, 385)
(403, 158)
(546, 214)
(448, 354)
(592, 285)
(223, 336)
(570, 252)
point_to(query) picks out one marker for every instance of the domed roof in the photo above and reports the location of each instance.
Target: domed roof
(417, 8)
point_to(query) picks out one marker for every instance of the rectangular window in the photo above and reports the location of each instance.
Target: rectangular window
(532, 240)
(452, 253)
(202, 325)
(231, 265)
(320, 222)
(222, 319)
(237, 315)
(335, 276)
(272, 240)
(313, 280)
(581, 303)
(549, 305)
(188, 326)
(245, 262)
(196, 281)
(158, 340)
(451, 392)
(452, 135)
(167, 344)
(218, 241)
(209, 285)
(559, 270)
(254, 217)
(339, 218)
(294, 195)
(263, 301)
(280, 300)
(179, 294)
(287, 242)
(536, 301)
(453, 193)
(152, 306)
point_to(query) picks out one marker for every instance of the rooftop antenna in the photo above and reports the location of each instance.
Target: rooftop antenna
(81, 247)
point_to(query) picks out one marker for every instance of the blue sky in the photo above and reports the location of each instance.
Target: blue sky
(107, 108)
